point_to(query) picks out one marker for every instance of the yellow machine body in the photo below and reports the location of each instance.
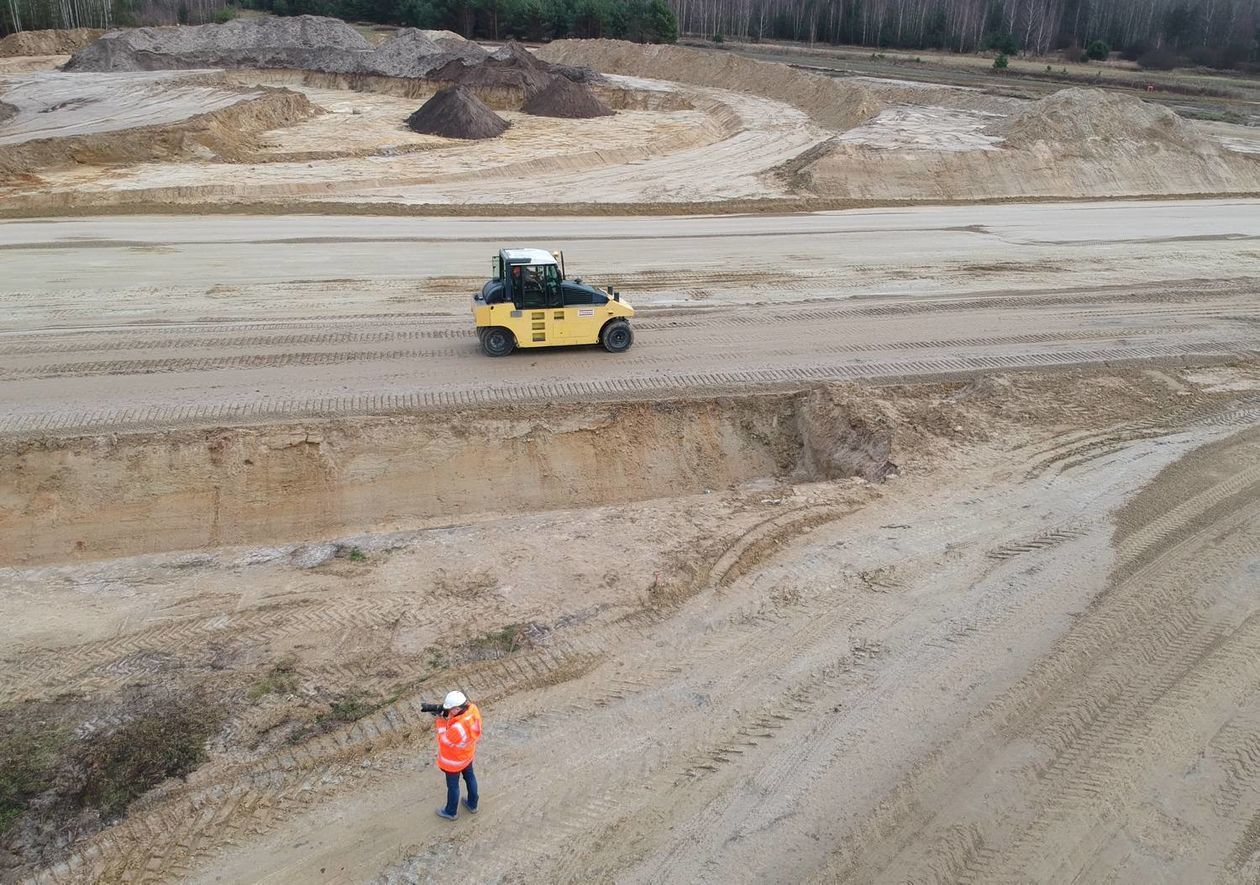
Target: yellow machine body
(529, 298)
(551, 326)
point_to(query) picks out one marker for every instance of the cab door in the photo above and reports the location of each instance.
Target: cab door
(541, 307)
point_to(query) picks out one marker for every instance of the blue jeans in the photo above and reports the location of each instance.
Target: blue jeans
(452, 788)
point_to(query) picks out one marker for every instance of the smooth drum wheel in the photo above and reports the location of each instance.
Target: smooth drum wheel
(617, 336)
(497, 341)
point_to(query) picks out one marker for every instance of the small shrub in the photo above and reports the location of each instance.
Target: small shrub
(497, 643)
(1098, 50)
(29, 757)
(350, 707)
(280, 679)
(357, 555)
(1001, 62)
(167, 740)
(718, 38)
(225, 15)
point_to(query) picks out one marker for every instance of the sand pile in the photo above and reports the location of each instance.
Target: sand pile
(834, 104)
(1088, 121)
(456, 113)
(55, 42)
(304, 42)
(564, 98)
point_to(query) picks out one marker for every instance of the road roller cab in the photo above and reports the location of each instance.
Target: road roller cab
(529, 303)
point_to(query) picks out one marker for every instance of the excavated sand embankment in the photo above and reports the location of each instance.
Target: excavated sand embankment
(1074, 143)
(88, 498)
(229, 133)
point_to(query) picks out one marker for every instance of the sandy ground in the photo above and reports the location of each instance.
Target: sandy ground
(362, 153)
(926, 129)
(217, 317)
(774, 141)
(905, 545)
(1031, 655)
(55, 105)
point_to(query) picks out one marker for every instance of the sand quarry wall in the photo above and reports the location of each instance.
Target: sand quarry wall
(87, 498)
(832, 104)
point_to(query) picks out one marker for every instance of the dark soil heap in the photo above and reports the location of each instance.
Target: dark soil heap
(456, 113)
(564, 98)
(512, 67)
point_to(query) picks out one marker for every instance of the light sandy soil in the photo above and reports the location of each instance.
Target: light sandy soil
(1032, 654)
(55, 105)
(785, 136)
(722, 150)
(915, 544)
(926, 129)
(23, 64)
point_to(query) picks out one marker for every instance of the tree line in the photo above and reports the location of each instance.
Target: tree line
(1036, 26)
(1217, 33)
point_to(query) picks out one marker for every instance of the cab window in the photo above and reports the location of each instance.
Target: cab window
(539, 286)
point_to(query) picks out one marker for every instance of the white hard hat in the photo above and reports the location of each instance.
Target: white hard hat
(454, 699)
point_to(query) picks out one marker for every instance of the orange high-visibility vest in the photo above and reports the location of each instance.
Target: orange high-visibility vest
(457, 739)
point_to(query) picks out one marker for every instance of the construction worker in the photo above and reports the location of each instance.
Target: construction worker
(458, 729)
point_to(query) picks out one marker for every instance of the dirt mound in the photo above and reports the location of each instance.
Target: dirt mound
(413, 53)
(230, 133)
(509, 68)
(55, 42)
(456, 113)
(305, 42)
(1090, 120)
(7, 111)
(830, 103)
(564, 98)
(328, 46)
(843, 436)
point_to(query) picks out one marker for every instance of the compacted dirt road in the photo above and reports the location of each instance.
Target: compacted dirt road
(240, 318)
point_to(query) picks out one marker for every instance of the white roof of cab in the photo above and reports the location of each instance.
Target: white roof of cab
(532, 256)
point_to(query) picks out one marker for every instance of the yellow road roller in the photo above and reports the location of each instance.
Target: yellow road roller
(529, 303)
